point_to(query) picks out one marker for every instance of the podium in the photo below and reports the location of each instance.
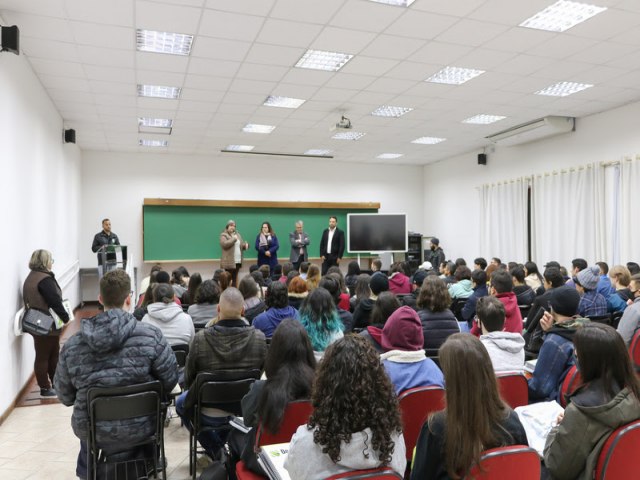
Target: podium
(111, 257)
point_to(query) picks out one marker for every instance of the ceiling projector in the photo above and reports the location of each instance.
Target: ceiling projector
(343, 124)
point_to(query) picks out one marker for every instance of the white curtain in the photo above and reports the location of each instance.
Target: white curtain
(630, 210)
(568, 216)
(503, 220)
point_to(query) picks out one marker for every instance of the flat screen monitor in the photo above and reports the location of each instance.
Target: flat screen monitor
(376, 232)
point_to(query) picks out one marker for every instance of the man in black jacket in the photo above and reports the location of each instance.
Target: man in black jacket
(100, 355)
(103, 238)
(331, 245)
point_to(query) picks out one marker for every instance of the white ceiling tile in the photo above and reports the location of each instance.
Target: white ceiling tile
(630, 62)
(51, 67)
(113, 12)
(146, 77)
(199, 106)
(37, 26)
(519, 39)
(390, 46)
(272, 73)
(204, 82)
(49, 49)
(421, 25)
(603, 25)
(410, 71)
(524, 65)
(334, 95)
(346, 80)
(146, 103)
(159, 61)
(202, 117)
(561, 46)
(167, 18)
(115, 110)
(562, 69)
(390, 85)
(630, 80)
(203, 66)
(472, 33)
(310, 11)
(252, 86)
(304, 76)
(65, 83)
(69, 96)
(274, 55)
(440, 53)
(111, 74)
(293, 34)
(341, 40)
(379, 16)
(363, 65)
(187, 3)
(202, 95)
(254, 7)
(106, 57)
(603, 52)
(253, 99)
(485, 59)
(294, 91)
(125, 101)
(219, 49)
(232, 26)
(49, 8)
(503, 11)
(630, 37)
(106, 36)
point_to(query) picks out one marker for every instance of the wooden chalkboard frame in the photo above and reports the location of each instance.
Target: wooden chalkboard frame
(169, 202)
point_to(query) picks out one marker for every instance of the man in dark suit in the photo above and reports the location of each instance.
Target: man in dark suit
(331, 245)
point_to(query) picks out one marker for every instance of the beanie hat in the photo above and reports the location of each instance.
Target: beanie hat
(589, 277)
(435, 241)
(379, 283)
(419, 277)
(565, 301)
(426, 266)
(403, 331)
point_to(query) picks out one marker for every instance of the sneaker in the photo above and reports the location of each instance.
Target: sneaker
(47, 392)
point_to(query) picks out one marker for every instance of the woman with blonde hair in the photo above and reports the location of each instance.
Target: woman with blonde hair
(313, 277)
(42, 292)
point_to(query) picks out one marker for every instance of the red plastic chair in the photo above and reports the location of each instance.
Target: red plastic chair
(507, 463)
(617, 458)
(297, 413)
(569, 385)
(513, 388)
(381, 473)
(634, 351)
(415, 406)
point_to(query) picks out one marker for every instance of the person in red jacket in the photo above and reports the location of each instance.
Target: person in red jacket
(502, 288)
(398, 282)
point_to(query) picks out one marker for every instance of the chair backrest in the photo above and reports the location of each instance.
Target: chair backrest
(415, 406)
(224, 389)
(513, 388)
(615, 319)
(507, 463)
(297, 413)
(570, 384)
(181, 351)
(617, 457)
(634, 351)
(381, 473)
(456, 307)
(606, 319)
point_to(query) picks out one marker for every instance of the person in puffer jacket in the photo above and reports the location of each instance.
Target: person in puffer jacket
(100, 355)
(176, 326)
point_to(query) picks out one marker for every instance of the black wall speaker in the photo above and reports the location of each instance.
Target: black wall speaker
(10, 38)
(482, 159)
(70, 136)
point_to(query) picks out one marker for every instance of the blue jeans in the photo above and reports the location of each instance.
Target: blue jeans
(212, 441)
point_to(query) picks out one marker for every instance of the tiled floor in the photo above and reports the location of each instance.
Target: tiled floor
(38, 443)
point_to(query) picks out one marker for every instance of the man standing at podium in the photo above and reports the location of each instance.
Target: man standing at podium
(104, 237)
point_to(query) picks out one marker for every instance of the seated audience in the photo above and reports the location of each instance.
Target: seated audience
(533, 332)
(287, 268)
(355, 423)
(506, 349)
(331, 283)
(189, 296)
(577, 265)
(320, 318)
(438, 322)
(605, 288)
(265, 270)
(276, 273)
(362, 314)
(146, 299)
(259, 279)
(144, 284)
(225, 280)
(449, 273)
(633, 267)
(404, 358)
(297, 292)
(313, 277)
(385, 305)
(462, 288)
(479, 282)
(608, 399)
(205, 307)
(592, 303)
(179, 281)
(353, 270)
(278, 309)
(556, 354)
(533, 277)
(304, 269)
(479, 263)
(398, 281)
(252, 295)
(289, 369)
(164, 314)
(475, 418)
(525, 295)
(620, 280)
(630, 321)
(502, 288)
(416, 284)
(376, 265)
(344, 297)
(231, 344)
(362, 291)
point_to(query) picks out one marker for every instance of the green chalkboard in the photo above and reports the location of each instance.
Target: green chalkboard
(192, 232)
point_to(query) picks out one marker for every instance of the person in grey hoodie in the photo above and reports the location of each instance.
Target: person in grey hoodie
(506, 349)
(100, 354)
(176, 326)
(346, 422)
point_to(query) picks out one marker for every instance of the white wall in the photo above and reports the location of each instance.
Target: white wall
(231, 177)
(452, 199)
(40, 196)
